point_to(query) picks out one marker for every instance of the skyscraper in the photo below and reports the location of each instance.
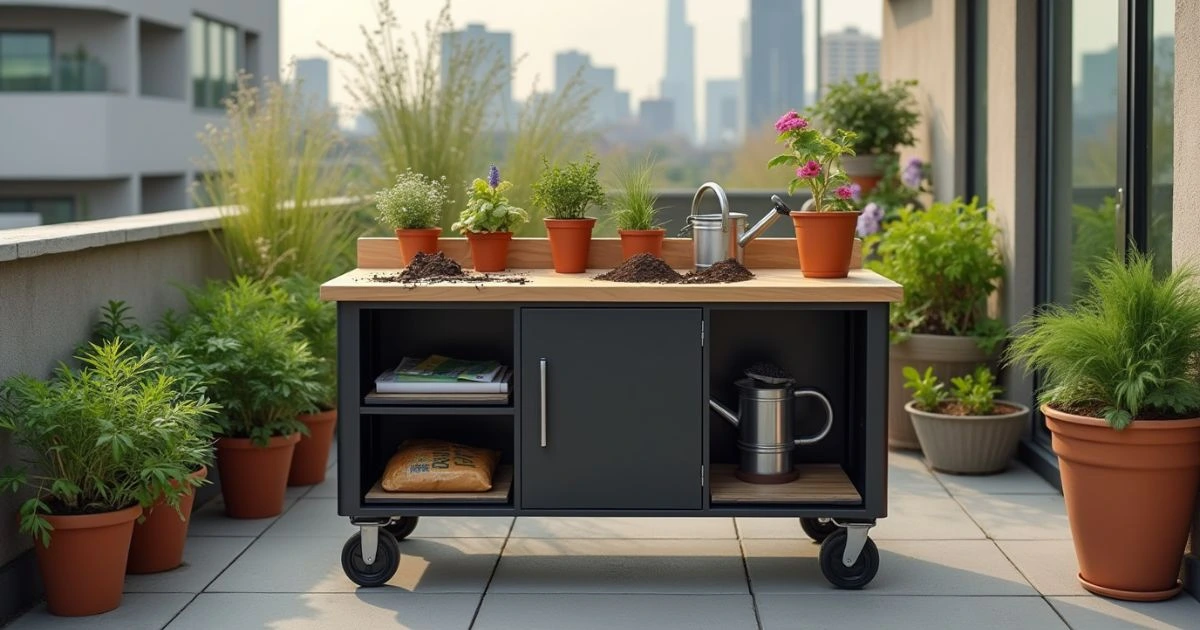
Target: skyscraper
(679, 82)
(608, 104)
(774, 68)
(499, 54)
(846, 54)
(721, 98)
(313, 75)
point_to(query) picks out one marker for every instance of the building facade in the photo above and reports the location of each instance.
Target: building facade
(609, 105)
(496, 53)
(313, 75)
(80, 81)
(722, 112)
(679, 82)
(846, 54)
(773, 68)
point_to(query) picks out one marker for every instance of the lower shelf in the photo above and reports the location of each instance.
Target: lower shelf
(818, 483)
(501, 485)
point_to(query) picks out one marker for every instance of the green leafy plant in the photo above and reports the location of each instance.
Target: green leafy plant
(112, 434)
(317, 320)
(634, 202)
(976, 393)
(488, 209)
(928, 391)
(882, 116)
(817, 159)
(1128, 349)
(948, 260)
(413, 202)
(568, 191)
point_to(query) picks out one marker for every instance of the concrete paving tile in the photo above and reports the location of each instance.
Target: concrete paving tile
(531, 565)
(323, 611)
(204, 558)
(554, 527)
(1019, 516)
(605, 612)
(908, 474)
(326, 489)
(770, 527)
(1018, 479)
(138, 611)
(285, 564)
(899, 612)
(1097, 613)
(1049, 565)
(463, 527)
(925, 517)
(210, 520)
(906, 567)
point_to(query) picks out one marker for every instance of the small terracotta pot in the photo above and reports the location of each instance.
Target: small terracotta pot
(254, 478)
(158, 541)
(489, 250)
(570, 242)
(634, 242)
(83, 569)
(311, 457)
(863, 170)
(1130, 496)
(825, 242)
(417, 241)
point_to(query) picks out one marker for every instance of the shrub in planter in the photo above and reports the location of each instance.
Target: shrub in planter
(565, 193)
(103, 442)
(965, 431)
(318, 328)
(488, 222)
(413, 207)
(1122, 402)
(948, 260)
(634, 211)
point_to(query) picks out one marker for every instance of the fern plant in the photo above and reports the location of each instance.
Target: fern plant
(1128, 349)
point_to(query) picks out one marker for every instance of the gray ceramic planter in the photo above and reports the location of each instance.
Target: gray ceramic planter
(969, 445)
(949, 356)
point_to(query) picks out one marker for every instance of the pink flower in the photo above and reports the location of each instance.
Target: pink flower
(844, 192)
(808, 171)
(789, 122)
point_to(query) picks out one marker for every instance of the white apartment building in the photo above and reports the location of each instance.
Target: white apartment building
(101, 100)
(847, 53)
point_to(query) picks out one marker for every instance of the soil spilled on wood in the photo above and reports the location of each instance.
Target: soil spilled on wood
(643, 268)
(729, 270)
(433, 268)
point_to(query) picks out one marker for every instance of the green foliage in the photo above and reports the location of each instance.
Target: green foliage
(976, 392)
(1128, 349)
(488, 210)
(318, 328)
(568, 191)
(948, 260)
(821, 155)
(892, 193)
(115, 324)
(928, 391)
(633, 203)
(413, 202)
(1092, 241)
(882, 116)
(112, 434)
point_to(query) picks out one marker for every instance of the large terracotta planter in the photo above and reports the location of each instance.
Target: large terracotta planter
(158, 541)
(825, 242)
(83, 569)
(489, 250)
(949, 356)
(417, 241)
(863, 170)
(1130, 496)
(634, 242)
(311, 456)
(970, 445)
(570, 242)
(254, 478)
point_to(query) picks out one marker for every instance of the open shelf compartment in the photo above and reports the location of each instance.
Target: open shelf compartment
(825, 484)
(502, 481)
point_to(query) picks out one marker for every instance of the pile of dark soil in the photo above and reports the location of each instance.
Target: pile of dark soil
(431, 268)
(768, 373)
(642, 268)
(729, 270)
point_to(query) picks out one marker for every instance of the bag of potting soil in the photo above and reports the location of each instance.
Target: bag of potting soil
(439, 466)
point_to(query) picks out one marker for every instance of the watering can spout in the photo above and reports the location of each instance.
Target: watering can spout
(725, 413)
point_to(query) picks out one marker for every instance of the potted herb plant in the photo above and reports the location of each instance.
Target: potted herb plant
(318, 327)
(413, 207)
(565, 193)
(633, 209)
(488, 222)
(966, 431)
(103, 441)
(948, 260)
(826, 224)
(882, 116)
(1122, 402)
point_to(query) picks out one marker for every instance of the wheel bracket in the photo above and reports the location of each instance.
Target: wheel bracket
(370, 542)
(856, 539)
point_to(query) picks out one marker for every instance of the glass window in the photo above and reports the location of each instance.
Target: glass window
(52, 210)
(214, 61)
(26, 61)
(231, 59)
(1162, 134)
(199, 89)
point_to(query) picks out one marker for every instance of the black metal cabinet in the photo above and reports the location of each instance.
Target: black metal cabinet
(612, 408)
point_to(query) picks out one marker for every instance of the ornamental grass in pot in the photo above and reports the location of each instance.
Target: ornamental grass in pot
(413, 207)
(318, 328)
(488, 222)
(635, 213)
(948, 260)
(1122, 402)
(966, 430)
(102, 443)
(565, 193)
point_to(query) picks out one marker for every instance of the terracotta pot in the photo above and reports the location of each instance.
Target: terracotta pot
(825, 242)
(416, 241)
(863, 170)
(570, 240)
(158, 541)
(970, 445)
(83, 569)
(634, 242)
(254, 478)
(948, 355)
(489, 250)
(1129, 497)
(311, 457)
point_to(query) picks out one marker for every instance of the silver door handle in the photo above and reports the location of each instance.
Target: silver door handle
(542, 368)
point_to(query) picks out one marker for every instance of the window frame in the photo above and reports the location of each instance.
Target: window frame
(202, 95)
(49, 33)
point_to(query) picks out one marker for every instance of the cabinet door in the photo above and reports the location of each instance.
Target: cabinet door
(621, 423)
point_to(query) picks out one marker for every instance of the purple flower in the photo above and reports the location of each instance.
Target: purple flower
(856, 192)
(789, 122)
(869, 220)
(913, 173)
(844, 192)
(493, 177)
(808, 171)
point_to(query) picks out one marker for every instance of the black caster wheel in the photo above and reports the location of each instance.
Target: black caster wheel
(839, 574)
(387, 560)
(402, 527)
(818, 529)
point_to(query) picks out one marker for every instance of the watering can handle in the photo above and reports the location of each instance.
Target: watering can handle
(721, 197)
(815, 393)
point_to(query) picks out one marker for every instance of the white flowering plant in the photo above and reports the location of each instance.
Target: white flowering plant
(414, 202)
(488, 209)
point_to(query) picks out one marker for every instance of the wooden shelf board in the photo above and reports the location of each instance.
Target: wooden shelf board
(501, 485)
(818, 483)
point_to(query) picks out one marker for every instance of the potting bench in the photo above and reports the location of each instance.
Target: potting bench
(608, 412)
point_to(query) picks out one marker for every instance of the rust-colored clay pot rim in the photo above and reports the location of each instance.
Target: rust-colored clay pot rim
(654, 232)
(823, 215)
(418, 231)
(1148, 425)
(576, 223)
(1021, 410)
(91, 521)
(245, 444)
(321, 417)
(494, 236)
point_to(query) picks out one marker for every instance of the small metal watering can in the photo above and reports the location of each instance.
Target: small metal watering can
(717, 237)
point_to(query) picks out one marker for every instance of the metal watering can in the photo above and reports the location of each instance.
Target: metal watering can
(717, 237)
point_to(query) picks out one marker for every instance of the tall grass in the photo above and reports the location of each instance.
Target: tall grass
(633, 201)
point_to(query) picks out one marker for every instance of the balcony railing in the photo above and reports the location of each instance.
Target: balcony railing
(42, 74)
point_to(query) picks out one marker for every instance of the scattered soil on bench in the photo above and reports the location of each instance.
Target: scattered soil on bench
(432, 268)
(729, 270)
(642, 268)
